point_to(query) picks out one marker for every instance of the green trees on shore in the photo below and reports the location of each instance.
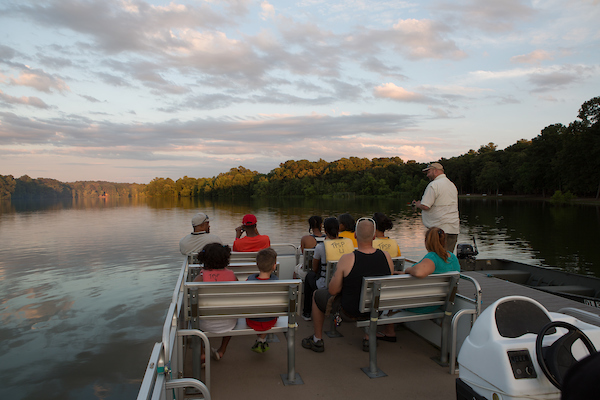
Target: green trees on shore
(561, 158)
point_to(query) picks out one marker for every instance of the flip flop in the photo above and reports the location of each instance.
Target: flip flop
(215, 354)
(385, 338)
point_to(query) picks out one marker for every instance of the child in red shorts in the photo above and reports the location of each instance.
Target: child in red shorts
(266, 260)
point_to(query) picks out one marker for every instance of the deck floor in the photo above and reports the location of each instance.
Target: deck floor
(336, 374)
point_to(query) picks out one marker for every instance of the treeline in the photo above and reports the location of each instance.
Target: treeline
(27, 188)
(561, 158)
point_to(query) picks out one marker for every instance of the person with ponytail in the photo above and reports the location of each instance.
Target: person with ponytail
(315, 236)
(437, 261)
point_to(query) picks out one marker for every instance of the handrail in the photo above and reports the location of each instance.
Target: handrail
(201, 335)
(455, 319)
(478, 294)
(457, 316)
(180, 280)
(189, 382)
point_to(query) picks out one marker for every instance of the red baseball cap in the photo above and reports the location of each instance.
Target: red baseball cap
(249, 219)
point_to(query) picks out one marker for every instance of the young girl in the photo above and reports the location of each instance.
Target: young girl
(215, 259)
(315, 223)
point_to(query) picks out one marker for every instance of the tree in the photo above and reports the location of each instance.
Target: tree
(590, 111)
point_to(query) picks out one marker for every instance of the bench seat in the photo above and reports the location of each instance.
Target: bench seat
(242, 328)
(401, 292)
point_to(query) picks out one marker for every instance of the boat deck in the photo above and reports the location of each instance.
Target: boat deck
(334, 374)
(412, 372)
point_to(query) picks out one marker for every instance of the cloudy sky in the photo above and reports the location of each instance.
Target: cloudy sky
(129, 90)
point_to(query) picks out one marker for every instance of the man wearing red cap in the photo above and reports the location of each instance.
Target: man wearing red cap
(253, 241)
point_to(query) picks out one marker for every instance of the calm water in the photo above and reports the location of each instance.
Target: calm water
(84, 286)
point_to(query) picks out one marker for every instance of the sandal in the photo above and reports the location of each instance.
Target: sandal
(386, 338)
(215, 354)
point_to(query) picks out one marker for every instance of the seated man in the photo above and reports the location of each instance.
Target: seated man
(201, 236)
(347, 282)
(253, 241)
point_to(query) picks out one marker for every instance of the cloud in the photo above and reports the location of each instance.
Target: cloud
(535, 57)
(39, 80)
(439, 112)
(391, 91)
(134, 26)
(420, 39)
(268, 11)
(560, 77)
(488, 16)
(28, 101)
(543, 79)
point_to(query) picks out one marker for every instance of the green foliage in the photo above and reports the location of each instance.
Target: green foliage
(560, 198)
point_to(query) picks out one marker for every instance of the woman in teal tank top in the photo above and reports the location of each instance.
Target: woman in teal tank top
(437, 261)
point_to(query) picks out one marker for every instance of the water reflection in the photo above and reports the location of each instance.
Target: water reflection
(84, 285)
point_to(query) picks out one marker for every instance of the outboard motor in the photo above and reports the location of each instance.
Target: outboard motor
(466, 251)
(518, 350)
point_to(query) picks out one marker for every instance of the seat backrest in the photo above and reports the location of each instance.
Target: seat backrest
(247, 299)
(406, 291)
(307, 259)
(243, 256)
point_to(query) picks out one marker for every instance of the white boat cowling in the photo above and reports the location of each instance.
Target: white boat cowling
(498, 358)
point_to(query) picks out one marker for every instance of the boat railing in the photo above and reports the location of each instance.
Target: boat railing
(463, 306)
(166, 360)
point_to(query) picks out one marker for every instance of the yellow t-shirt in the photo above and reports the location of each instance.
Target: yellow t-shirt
(349, 235)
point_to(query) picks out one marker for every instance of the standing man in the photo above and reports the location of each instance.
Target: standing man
(440, 204)
(201, 236)
(253, 241)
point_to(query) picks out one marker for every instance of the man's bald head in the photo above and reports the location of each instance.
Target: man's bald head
(365, 231)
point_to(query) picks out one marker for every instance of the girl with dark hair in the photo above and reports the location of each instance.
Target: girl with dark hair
(315, 223)
(347, 226)
(215, 259)
(331, 249)
(382, 242)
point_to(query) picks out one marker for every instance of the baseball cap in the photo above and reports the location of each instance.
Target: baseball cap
(435, 165)
(249, 219)
(199, 219)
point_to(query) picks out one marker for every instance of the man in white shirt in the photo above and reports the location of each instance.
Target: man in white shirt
(440, 204)
(201, 236)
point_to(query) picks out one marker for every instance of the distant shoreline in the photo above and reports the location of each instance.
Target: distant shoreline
(582, 200)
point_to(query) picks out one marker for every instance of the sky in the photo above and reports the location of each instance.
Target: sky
(126, 91)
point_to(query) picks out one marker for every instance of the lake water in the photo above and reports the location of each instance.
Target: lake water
(84, 286)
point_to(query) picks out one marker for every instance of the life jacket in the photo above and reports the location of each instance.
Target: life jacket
(387, 244)
(336, 248)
